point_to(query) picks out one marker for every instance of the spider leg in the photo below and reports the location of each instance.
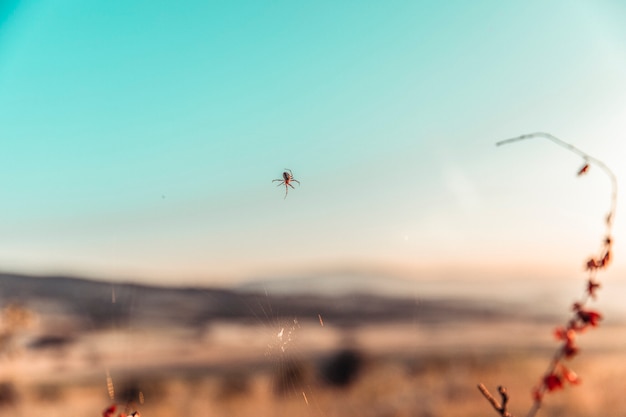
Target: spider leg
(286, 191)
(295, 181)
(278, 185)
(291, 186)
(277, 180)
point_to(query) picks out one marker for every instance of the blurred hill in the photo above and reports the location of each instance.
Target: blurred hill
(100, 304)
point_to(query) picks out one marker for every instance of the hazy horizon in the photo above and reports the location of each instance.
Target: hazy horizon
(140, 141)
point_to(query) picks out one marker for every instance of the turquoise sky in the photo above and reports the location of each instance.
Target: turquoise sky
(138, 140)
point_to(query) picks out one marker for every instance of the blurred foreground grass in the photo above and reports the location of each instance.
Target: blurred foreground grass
(379, 371)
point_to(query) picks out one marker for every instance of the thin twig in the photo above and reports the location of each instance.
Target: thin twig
(584, 155)
(582, 318)
(501, 409)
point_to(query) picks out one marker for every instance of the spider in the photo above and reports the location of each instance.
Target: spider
(287, 179)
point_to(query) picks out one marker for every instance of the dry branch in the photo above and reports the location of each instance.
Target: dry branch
(557, 373)
(501, 409)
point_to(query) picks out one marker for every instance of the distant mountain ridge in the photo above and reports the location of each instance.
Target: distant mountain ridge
(98, 304)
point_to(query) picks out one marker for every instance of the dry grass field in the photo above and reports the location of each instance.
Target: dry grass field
(291, 368)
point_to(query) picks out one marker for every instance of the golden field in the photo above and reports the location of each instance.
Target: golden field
(284, 367)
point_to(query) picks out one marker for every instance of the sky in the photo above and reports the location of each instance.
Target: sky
(139, 141)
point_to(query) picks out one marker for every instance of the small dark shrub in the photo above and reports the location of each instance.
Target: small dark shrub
(343, 368)
(8, 394)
